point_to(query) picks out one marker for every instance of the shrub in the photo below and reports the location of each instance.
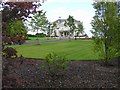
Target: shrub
(56, 65)
(7, 40)
(18, 39)
(10, 52)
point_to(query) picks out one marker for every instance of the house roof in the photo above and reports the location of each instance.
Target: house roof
(62, 20)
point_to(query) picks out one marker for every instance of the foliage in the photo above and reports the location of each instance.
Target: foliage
(18, 39)
(49, 30)
(53, 26)
(39, 22)
(55, 64)
(12, 11)
(41, 34)
(16, 28)
(71, 23)
(80, 28)
(105, 30)
(8, 40)
(30, 35)
(9, 52)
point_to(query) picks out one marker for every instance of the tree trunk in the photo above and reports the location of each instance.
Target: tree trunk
(106, 50)
(48, 36)
(69, 37)
(37, 37)
(37, 34)
(75, 38)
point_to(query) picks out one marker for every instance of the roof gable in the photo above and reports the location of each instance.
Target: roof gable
(62, 20)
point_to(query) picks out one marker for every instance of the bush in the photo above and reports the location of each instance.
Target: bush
(18, 39)
(9, 52)
(56, 65)
(7, 40)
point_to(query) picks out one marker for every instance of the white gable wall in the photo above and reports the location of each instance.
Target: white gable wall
(61, 28)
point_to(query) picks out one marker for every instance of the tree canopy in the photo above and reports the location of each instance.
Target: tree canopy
(80, 28)
(39, 22)
(106, 29)
(13, 11)
(71, 23)
(16, 28)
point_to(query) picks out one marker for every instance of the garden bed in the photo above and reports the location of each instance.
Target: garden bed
(28, 73)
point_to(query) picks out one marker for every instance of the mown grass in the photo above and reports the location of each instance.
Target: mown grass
(72, 50)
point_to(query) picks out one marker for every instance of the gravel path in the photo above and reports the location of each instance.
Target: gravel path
(80, 74)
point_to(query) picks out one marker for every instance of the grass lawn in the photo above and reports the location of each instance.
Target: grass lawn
(33, 39)
(73, 50)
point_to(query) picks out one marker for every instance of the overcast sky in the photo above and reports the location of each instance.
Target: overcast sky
(80, 9)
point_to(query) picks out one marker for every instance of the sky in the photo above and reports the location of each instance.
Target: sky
(81, 10)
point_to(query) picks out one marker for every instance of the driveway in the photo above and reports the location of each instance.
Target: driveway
(41, 41)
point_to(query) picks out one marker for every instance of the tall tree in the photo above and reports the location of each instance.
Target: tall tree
(39, 22)
(80, 29)
(16, 28)
(118, 30)
(49, 30)
(105, 30)
(13, 11)
(71, 23)
(53, 27)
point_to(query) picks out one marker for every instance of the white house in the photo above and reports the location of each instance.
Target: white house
(60, 31)
(63, 31)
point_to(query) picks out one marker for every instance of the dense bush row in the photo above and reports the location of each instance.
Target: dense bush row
(30, 35)
(37, 34)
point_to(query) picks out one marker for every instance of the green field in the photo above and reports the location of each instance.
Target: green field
(72, 50)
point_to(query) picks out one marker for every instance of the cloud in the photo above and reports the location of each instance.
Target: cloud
(56, 13)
